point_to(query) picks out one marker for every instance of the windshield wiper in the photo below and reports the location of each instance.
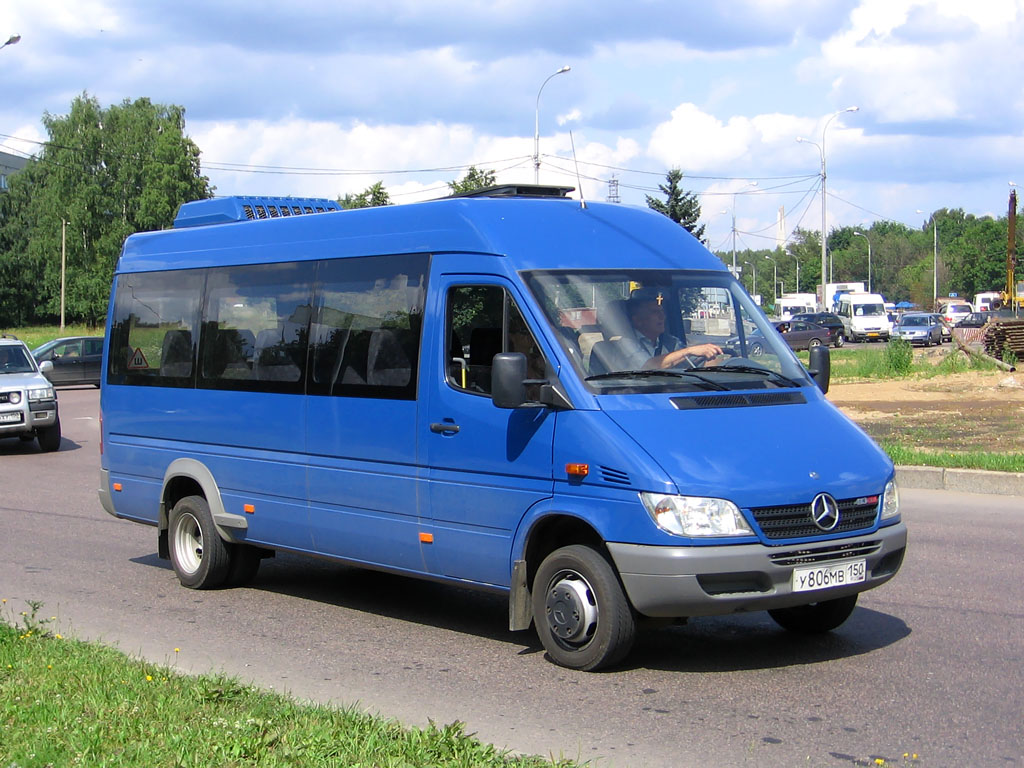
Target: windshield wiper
(643, 374)
(766, 372)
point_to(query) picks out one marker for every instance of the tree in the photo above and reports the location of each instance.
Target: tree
(679, 205)
(372, 197)
(106, 173)
(473, 180)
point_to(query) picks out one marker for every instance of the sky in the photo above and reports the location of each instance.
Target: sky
(323, 99)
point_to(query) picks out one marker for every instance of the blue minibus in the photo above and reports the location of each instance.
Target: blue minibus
(576, 406)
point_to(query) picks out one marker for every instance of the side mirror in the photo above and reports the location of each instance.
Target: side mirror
(46, 366)
(820, 366)
(508, 380)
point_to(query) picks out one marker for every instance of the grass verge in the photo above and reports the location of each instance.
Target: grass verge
(916, 457)
(40, 334)
(65, 702)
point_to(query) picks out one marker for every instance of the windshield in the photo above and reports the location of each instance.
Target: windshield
(15, 359)
(868, 310)
(908, 321)
(664, 331)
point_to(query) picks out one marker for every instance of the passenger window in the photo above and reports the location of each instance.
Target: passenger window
(484, 320)
(255, 327)
(155, 325)
(366, 330)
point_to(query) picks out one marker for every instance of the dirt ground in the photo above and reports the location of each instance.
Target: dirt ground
(958, 412)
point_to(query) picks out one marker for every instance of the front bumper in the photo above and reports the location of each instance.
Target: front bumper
(33, 414)
(711, 581)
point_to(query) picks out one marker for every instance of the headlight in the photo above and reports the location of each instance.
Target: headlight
(42, 393)
(890, 500)
(14, 398)
(695, 515)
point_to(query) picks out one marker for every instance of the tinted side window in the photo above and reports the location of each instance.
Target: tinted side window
(365, 336)
(482, 321)
(256, 327)
(155, 328)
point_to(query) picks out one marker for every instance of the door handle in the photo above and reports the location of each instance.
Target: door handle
(444, 428)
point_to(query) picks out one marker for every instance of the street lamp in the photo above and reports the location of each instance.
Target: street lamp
(861, 234)
(935, 260)
(11, 40)
(753, 282)
(775, 279)
(749, 184)
(536, 128)
(824, 176)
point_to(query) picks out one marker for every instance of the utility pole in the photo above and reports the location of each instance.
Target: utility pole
(1011, 253)
(63, 266)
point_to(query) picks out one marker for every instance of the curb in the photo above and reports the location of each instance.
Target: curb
(965, 480)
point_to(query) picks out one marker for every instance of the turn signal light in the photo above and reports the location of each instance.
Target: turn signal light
(577, 470)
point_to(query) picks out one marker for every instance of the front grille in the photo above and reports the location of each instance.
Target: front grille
(827, 553)
(793, 521)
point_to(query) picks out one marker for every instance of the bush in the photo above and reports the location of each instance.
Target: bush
(899, 357)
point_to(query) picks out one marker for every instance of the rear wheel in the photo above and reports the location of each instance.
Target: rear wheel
(815, 618)
(199, 555)
(580, 610)
(840, 339)
(813, 343)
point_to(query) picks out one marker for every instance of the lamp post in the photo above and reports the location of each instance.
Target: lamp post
(775, 279)
(935, 260)
(753, 283)
(749, 184)
(861, 234)
(824, 176)
(13, 39)
(536, 127)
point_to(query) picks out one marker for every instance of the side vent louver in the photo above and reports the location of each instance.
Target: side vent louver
(224, 210)
(614, 476)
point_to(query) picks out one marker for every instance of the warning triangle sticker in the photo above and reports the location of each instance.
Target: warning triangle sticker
(137, 360)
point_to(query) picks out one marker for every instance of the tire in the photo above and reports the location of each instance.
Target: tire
(580, 610)
(813, 343)
(815, 618)
(840, 339)
(756, 350)
(245, 564)
(200, 557)
(49, 437)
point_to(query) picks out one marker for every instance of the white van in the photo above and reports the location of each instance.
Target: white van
(864, 316)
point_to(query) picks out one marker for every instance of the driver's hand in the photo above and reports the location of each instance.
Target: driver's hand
(706, 351)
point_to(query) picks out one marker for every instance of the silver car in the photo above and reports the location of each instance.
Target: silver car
(920, 328)
(28, 403)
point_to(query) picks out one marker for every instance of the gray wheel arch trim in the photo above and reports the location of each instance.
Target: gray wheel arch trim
(228, 524)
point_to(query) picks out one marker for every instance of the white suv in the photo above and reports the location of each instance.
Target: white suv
(28, 403)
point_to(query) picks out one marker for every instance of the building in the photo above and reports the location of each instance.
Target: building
(9, 164)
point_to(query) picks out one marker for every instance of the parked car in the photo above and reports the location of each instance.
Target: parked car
(76, 360)
(954, 312)
(802, 335)
(947, 328)
(974, 320)
(920, 328)
(828, 320)
(28, 404)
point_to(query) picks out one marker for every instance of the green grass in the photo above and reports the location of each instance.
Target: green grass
(41, 334)
(915, 457)
(65, 702)
(877, 362)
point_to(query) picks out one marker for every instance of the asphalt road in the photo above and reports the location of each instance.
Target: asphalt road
(930, 663)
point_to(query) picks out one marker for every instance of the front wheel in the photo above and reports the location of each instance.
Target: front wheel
(580, 610)
(815, 618)
(199, 555)
(49, 437)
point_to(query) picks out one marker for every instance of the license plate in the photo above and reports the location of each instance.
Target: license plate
(872, 333)
(6, 418)
(825, 576)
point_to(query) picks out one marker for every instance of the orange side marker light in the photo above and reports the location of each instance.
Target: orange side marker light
(426, 538)
(577, 470)
(248, 508)
(117, 486)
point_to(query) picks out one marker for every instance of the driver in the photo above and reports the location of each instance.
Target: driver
(654, 347)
